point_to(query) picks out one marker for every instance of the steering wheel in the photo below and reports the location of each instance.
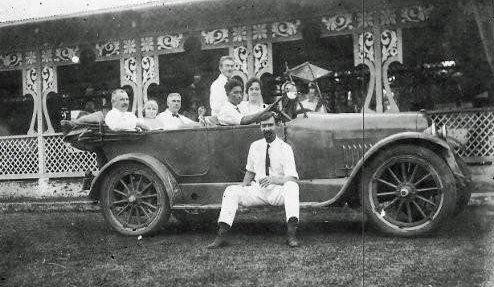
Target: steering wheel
(274, 108)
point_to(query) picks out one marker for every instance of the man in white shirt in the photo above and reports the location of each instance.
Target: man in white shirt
(270, 179)
(170, 119)
(118, 118)
(231, 114)
(217, 94)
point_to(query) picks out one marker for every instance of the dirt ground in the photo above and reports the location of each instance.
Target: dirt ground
(78, 249)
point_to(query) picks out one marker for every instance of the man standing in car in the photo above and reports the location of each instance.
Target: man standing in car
(217, 95)
(270, 179)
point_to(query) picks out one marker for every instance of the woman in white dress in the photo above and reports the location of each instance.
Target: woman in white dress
(255, 102)
(150, 112)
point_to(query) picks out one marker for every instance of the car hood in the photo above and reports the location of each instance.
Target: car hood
(408, 121)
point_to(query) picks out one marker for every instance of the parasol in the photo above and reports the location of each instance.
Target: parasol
(307, 71)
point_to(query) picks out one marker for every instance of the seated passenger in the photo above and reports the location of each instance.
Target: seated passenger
(170, 119)
(313, 102)
(150, 120)
(255, 102)
(118, 118)
(230, 113)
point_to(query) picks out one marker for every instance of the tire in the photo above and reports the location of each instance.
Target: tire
(196, 218)
(464, 192)
(411, 205)
(134, 200)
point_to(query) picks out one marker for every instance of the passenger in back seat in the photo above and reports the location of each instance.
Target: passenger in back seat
(118, 118)
(230, 113)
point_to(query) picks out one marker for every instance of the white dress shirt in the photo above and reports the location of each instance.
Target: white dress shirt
(247, 108)
(282, 161)
(117, 120)
(217, 94)
(230, 115)
(173, 122)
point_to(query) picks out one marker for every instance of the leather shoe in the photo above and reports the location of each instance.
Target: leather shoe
(292, 232)
(218, 242)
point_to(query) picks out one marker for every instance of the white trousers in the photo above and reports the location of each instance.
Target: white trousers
(254, 195)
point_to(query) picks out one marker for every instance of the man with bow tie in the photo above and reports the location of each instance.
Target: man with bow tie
(170, 119)
(270, 179)
(230, 114)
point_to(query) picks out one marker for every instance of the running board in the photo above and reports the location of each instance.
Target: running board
(303, 205)
(209, 195)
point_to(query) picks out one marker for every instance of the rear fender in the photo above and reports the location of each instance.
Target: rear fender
(155, 165)
(436, 144)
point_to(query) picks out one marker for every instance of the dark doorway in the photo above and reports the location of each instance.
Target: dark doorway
(177, 73)
(16, 109)
(342, 89)
(85, 88)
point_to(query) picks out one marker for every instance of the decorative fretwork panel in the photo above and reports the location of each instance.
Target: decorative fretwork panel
(474, 129)
(61, 158)
(19, 156)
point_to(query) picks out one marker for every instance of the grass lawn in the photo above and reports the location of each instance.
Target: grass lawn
(78, 249)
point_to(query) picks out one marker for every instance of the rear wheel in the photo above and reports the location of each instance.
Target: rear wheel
(134, 200)
(408, 191)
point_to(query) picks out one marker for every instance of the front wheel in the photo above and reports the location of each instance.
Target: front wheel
(134, 200)
(408, 190)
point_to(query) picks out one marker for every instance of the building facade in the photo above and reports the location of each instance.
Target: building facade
(383, 56)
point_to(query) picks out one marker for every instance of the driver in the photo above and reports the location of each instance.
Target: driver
(270, 179)
(231, 114)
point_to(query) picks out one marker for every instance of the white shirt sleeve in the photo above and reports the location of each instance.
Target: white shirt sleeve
(289, 168)
(229, 116)
(217, 97)
(251, 165)
(119, 121)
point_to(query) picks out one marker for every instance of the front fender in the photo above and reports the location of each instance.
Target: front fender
(436, 144)
(155, 165)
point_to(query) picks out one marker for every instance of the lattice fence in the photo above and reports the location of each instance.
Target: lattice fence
(63, 159)
(19, 156)
(473, 128)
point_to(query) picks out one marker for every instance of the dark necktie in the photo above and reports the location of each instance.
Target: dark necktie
(238, 110)
(175, 115)
(268, 160)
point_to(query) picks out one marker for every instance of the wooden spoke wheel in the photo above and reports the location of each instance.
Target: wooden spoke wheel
(134, 200)
(408, 190)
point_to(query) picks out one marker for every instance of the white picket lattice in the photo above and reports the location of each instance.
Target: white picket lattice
(473, 128)
(19, 155)
(62, 159)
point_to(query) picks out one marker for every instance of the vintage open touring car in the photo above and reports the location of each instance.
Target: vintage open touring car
(396, 166)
